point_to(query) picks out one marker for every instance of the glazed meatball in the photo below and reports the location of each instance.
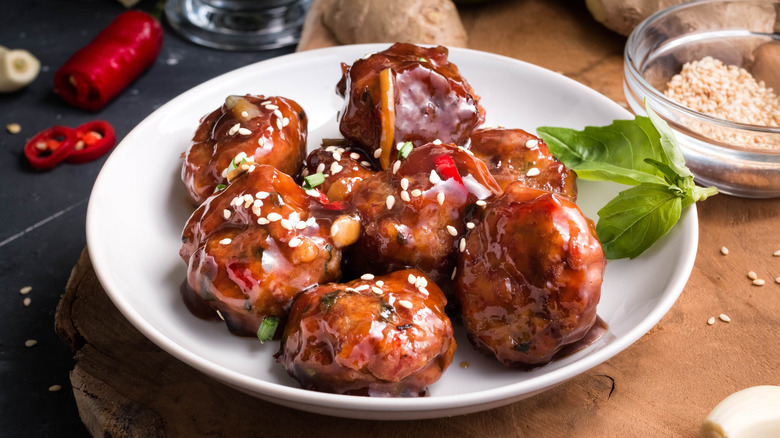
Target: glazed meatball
(515, 155)
(253, 246)
(262, 130)
(342, 169)
(415, 213)
(428, 100)
(383, 336)
(530, 277)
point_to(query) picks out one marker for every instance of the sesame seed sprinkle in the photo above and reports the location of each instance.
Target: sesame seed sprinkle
(532, 143)
(405, 303)
(262, 195)
(725, 318)
(220, 315)
(362, 287)
(337, 156)
(367, 276)
(380, 283)
(257, 203)
(248, 200)
(396, 166)
(724, 250)
(278, 113)
(25, 290)
(320, 168)
(55, 388)
(454, 271)
(405, 196)
(436, 142)
(285, 121)
(244, 131)
(234, 129)
(225, 241)
(440, 198)
(311, 222)
(354, 155)
(274, 216)
(777, 280)
(226, 213)
(263, 221)
(462, 244)
(305, 171)
(434, 178)
(244, 114)
(271, 107)
(481, 203)
(404, 183)
(261, 141)
(416, 192)
(285, 223)
(399, 145)
(752, 275)
(776, 253)
(313, 193)
(301, 225)
(365, 164)
(452, 230)
(711, 321)
(470, 225)
(335, 167)
(534, 171)
(423, 290)
(279, 125)
(377, 290)
(26, 301)
(377, 153)
(390, 201)
(411, 279)
(759, 282)
(30, 343)
(295, 242)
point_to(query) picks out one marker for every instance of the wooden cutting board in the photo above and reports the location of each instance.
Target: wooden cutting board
(663, 385)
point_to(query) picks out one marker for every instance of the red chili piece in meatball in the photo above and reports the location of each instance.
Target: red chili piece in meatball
(515, 155)
(342, 169)
(382, 336)
(415, 213)
(530, 277)
(430, 98)
(258, 129)
(253, 246)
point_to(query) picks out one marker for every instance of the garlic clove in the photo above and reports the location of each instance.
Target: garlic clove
(18, 68)
(750, 413)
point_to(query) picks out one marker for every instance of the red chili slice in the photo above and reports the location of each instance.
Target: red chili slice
(49, 147)
(446, 167)
(119, 53)
(93, 140)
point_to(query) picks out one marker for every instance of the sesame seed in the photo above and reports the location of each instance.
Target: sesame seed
(251, 168)
(380, 283)
(390, 201)
(362, 287)
(261, 141)
(396, 166)
(265, 102)
(26, 301)
(365, 164)
(295, 242)
(462, 244)
(226, 213)
(14, 128)
(244, 131)
(244, 114)
(305, 171)
(225, 241)
(220, 315)
(25, 290)
(320, 168)
(262, 195)
(285, 223)
(377, 153)
(405, 196)
(236, 201)
(354, 155)
(337, 156)
(532, 143)
(725, 318)
(436, 142)
(405, 303)
(452, 230)
(776, 254)
(724, 250)
(399, 145)
(54, 388)
(777, 280)
(434, 178)
(752, 275)
(271, 107)
(313, 193)
(416, 192)
(454, 271)
(285, 121)
(311, 221)
(262, 221)
(470, 225)
(30, 343)
(278, 113)
(440, 198)
(404, 183)
(257, 203)
(367, 277)
(423, 290)
(481, 203)
(234, 129)
(274, 216)
(377, 290)
(533, 172)
(301, 225)
(279, 125)
(411, 279)
(758, 282)
(711, 320)
(335, 167)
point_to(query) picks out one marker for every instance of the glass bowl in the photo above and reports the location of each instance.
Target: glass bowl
(739, 159)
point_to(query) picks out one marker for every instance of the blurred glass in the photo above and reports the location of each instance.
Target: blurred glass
(238, 24)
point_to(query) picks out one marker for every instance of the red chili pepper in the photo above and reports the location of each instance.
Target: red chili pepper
(446, 167)
(119, 53)
(93, 139)
(49, 147)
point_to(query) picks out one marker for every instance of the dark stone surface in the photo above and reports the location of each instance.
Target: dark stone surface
(42, 218)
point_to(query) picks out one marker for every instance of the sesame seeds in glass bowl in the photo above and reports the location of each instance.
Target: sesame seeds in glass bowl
(711, 69)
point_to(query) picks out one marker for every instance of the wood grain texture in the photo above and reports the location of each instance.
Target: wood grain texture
(662, 385)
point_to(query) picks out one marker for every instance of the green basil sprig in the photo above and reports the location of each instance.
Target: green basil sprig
(642, 153)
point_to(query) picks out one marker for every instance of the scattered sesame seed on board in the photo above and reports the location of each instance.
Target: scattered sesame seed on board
(14, 128)
(54, 388)
(711, 321)
(724, 250)
(30, 343)
(777, 280)
(25, 290)
(758, 282)
(725, 318)
(776, 253)
(26, 301)
(752, 275)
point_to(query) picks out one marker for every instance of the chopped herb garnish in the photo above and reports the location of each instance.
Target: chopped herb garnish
(267, 328)
(219, 187)
(404, 327)
(405, 150)
(233, 165)
(329, 299)
(385, 311)
(421, 59)
(313, 181)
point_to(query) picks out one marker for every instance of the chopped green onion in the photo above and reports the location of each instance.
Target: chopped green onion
(421, 59)
(267, 328)
(313, 181)
(406, 149)
(219, 187)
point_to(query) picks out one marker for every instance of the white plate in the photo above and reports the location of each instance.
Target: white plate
(138, 208)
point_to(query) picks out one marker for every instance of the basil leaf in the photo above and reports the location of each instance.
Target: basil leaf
(669, 144)
(637, 217)
(623, 146)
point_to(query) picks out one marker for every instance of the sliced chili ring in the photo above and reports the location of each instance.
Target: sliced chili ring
(93, 140)
(50, 147)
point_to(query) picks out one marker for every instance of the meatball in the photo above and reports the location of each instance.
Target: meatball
(253, 246)
(530, 277)
(415, 213)
(425, 99)
(263, 130)
(515, 155)
(342, 168)
(383, 336)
